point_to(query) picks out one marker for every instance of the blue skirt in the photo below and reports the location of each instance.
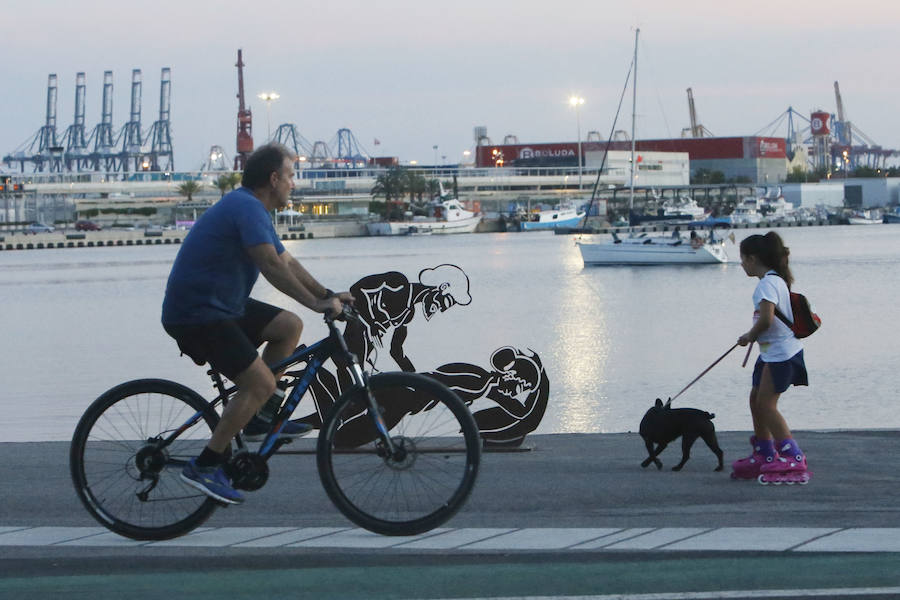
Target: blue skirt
(784, 374)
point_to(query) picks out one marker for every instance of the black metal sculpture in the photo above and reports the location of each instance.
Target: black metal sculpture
(515, 386)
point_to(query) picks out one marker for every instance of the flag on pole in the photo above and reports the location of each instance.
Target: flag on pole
(377, 141)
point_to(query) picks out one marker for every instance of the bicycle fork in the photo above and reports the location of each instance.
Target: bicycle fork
(361, 382)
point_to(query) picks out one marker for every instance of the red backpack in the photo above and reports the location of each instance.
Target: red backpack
(806, 322)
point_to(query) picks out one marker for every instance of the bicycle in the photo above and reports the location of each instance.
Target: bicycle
(397, 454)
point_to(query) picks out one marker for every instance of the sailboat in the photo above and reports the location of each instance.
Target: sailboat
(643, 249)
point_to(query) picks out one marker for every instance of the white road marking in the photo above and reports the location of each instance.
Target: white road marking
(225, 536)
(356, 538)
(290, 537)
(454, 538)
(657, 538)
(666, 539)
(751, 538)
(539, 539)
(856, 540)
(618, 536)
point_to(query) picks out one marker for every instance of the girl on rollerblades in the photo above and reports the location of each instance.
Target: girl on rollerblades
(776, 457)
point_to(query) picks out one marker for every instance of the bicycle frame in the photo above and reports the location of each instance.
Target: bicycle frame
(315, 355)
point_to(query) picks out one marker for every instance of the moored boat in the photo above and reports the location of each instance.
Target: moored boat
(564, 215)
(642, 249)
(865, 217)
(449, 217)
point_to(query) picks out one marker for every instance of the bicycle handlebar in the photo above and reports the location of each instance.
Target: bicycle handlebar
(348, 313)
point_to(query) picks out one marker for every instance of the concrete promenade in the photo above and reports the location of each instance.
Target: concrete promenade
(572, 516)
(588, 488)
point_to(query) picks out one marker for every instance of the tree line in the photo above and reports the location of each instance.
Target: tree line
(403, 190)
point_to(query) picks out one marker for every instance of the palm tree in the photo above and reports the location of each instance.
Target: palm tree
(391, 186)
(189, 188)
(227, 181)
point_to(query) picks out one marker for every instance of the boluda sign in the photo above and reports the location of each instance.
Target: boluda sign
(529, 152)
(487, 156)
(766, 147)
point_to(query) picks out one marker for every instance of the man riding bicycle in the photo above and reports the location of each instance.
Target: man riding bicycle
(209, 312)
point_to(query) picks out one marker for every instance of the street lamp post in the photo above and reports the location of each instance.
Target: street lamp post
(577, 101)
(268, 97)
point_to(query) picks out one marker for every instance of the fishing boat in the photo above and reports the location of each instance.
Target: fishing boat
(865, 217)
(448, 216)
(643, 249)
(564, 215)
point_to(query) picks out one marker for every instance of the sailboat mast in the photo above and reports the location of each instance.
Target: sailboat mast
(633, 109)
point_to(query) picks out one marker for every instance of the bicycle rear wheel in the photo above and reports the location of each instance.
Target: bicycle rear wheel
(429, 477)
(124, 474)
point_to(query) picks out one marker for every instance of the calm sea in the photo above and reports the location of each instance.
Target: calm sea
(75, 322)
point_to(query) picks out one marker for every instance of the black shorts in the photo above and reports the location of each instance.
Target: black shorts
(229, 345)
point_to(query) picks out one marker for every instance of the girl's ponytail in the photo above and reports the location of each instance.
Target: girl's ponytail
(771, 251)
(779, 254)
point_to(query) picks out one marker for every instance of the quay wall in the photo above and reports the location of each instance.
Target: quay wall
(309, 230)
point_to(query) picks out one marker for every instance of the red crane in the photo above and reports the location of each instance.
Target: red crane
(244, 122)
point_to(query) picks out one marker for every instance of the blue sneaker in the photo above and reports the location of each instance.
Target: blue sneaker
(212, 481)
(256, 429)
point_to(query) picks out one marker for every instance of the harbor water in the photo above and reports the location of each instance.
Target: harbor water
(75, 322)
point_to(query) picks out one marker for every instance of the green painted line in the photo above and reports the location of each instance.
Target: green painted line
(600, 574)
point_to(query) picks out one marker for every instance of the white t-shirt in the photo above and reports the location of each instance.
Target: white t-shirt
(777, 343)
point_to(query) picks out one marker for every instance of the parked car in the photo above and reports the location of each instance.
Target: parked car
(86, 226)
(39, 228)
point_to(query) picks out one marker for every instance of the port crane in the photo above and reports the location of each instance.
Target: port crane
(852, 148)
(244, 122)
(696, 129)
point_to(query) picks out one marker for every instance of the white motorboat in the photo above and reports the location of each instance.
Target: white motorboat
(778, 209)
(684, 206)
(564, 215)
(681, 210)
(449, 216)
(642, 249)
(746, 213)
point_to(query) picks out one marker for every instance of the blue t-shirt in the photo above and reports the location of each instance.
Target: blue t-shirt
(213, 273)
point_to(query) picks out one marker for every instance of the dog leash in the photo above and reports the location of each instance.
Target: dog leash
(708, 368)
(749, 348)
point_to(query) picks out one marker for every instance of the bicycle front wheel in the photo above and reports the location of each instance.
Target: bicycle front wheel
(126, 475)
(432, 470)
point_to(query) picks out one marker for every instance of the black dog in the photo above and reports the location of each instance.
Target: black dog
(663, 424)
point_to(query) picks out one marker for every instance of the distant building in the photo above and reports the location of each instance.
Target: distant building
(759, 160)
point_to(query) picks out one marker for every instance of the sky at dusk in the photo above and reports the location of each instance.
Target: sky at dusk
(415, 74)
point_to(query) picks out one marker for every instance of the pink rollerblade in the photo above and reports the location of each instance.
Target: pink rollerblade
(785, 469)
(749, 467)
